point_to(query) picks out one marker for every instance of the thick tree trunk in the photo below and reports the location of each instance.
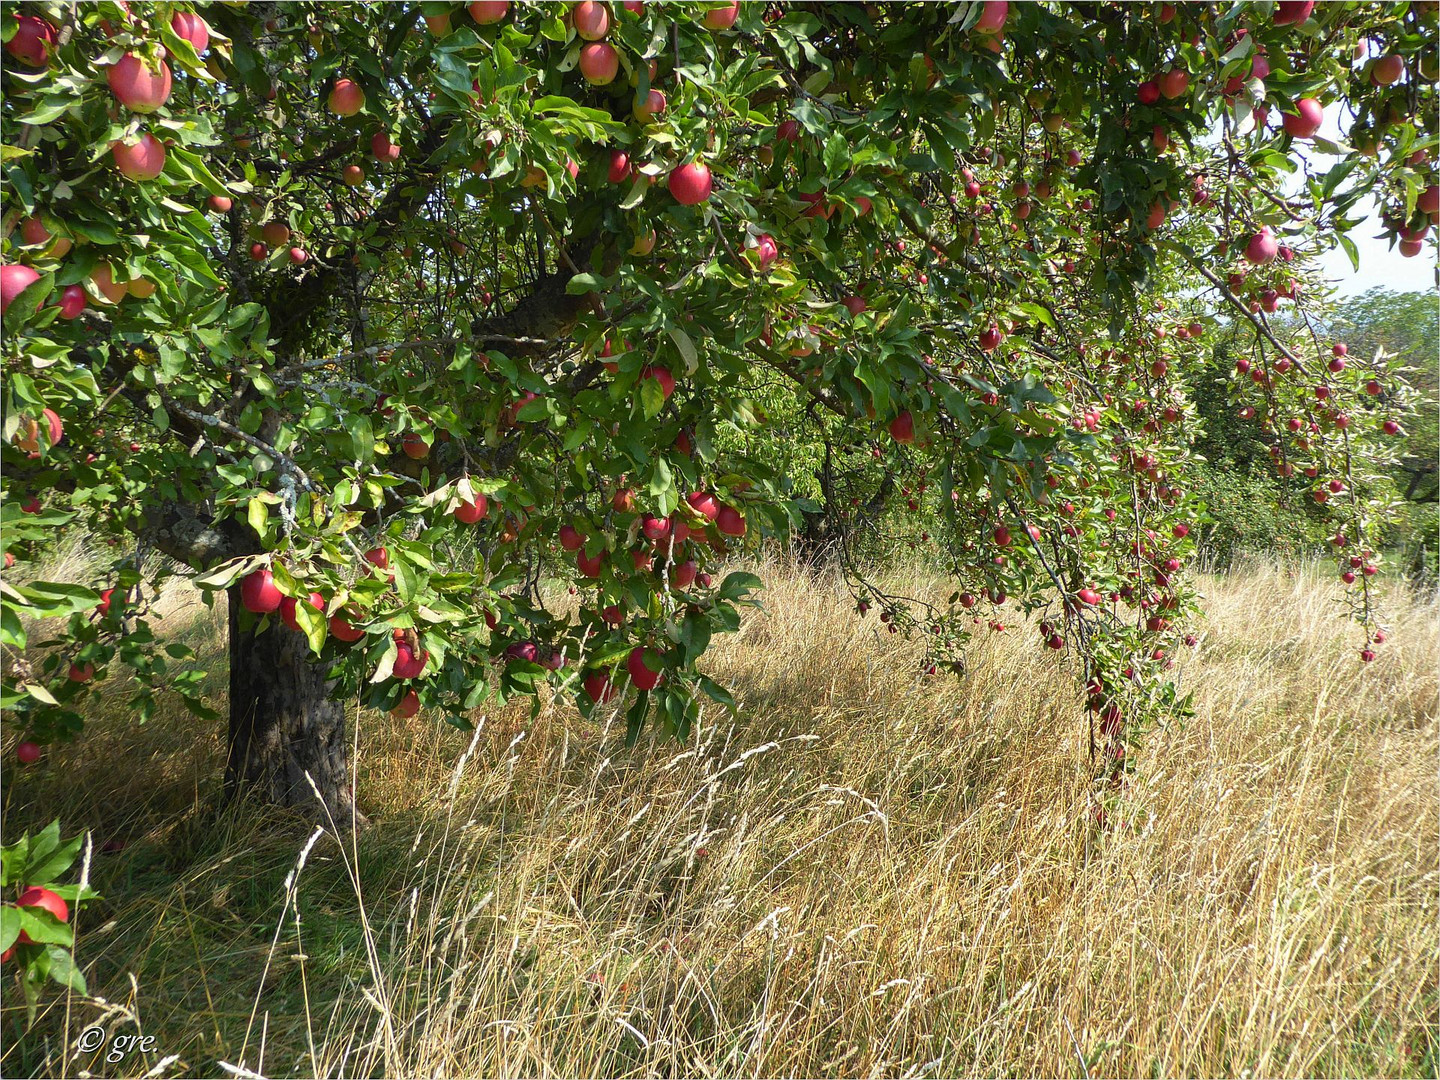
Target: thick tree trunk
(285, 726)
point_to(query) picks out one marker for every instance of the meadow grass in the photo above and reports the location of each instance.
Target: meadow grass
(867, 872)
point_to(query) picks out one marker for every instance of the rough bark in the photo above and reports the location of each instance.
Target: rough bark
(287, 731)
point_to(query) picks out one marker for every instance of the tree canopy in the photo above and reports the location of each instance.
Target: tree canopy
(383, 315)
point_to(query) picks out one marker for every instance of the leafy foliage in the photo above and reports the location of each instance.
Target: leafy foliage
(394, 261)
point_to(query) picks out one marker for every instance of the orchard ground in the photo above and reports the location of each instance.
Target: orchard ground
(870, 873)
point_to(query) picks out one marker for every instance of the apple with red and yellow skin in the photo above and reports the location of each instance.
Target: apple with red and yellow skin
(415, 447)
(346, 98)
(275, 233)
(469, 512)
(81, 673)
(138, 86)
(722, 18)
(438, 25)
(382, 148)
(488, 12)
(221, 204)
(691, 184)
(408, 706)
(290, 603)
(14, 279)
(190, 27)
(651, 106)
(259, 593)
(599, 63)
(590, 19)
(33, 233)
(28, 437)
(143, 159)
(993, 14)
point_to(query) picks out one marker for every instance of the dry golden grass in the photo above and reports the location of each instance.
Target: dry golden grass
(867, 874)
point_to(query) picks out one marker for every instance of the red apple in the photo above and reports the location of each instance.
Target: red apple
(14, 279)
(640, 674)
(415, 447)
(33, 43)
(571, 539)
(590, 19)
(1288, 12)
(346, 98)
(1174, 83)
(141, 160)
(1388, 69)
(702, 502)
(137, 86)
(652, 106)
(683, 576)
(81, 673)
(220, 204)
(258, 593)
(902, 428)
(27, 753)
(471, 512)
(1262, 247)
(191, 27)
(691, 184)
(599, 63)
(341, 629)
(409, 705)
(619, 168)
(407, 664)
(36, 897)
(654, 528)
(1148, 92)
(992, 17)
(378, 557)
(1428, 201)
(765, 251)
(730, 521)
(289, 603)
(486, 12)
(382, 148)
(1306, 120)
(722, 18)
(598, 687)
(663, 377)
(623, 501)
(589, 567)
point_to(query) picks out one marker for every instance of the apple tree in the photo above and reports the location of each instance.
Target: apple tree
(375, 318)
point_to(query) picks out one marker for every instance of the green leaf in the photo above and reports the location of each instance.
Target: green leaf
(686, 347)
(63, 969)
